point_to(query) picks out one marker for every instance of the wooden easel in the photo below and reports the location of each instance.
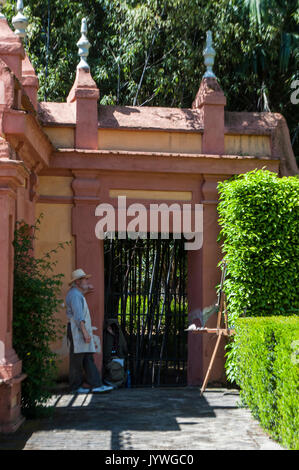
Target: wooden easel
(219, 331)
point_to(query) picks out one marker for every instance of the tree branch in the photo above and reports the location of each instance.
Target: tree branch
(145, 67)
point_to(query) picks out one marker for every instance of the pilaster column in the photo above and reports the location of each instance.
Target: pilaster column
(89, 250)
(85, 94)
(195, 297)
(211, 274)
(12, 175)
(11, 49)
(210, 100)
(30, 81)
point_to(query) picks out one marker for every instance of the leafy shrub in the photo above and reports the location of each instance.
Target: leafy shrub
(267, 370)
(35, 302)
(259, 218)
(260, 232)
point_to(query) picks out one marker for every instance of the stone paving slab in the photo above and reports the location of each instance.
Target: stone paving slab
(144, 419)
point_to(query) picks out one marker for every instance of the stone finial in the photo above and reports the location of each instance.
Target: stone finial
(209, 55)
(20, 22)
(1, 5)
(83, 45)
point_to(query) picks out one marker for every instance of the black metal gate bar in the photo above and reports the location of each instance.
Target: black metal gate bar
(145, 288)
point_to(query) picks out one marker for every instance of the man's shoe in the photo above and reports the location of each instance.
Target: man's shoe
(102, 389)
(82, 390)
(106, 382)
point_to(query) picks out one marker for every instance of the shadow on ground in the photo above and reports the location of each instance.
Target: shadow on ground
(119, 415)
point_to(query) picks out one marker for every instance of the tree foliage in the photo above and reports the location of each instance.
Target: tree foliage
(150, 51)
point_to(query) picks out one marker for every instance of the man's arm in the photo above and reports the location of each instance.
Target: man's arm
(86, 336)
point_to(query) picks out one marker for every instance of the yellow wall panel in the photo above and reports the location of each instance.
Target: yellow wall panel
(55, 186)
(55, 227)
(256, 145)
(152, 194)
(61, 137)
(149, 141)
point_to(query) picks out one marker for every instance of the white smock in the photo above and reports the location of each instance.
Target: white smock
(80, 346)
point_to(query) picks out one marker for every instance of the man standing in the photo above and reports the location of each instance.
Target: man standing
(79, 333)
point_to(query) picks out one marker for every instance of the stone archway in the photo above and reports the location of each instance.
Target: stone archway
(203, 274)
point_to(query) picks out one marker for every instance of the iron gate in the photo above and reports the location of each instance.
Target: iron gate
(145, 288)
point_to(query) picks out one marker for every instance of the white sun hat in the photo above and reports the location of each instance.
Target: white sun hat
(79, 274)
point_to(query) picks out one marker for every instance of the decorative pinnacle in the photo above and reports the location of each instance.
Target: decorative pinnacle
(209, 55)
(83, 45)
(1, 5)
(20, 21)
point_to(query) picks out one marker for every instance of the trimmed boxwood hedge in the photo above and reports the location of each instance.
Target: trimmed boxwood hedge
(266, 362)
(259, 219)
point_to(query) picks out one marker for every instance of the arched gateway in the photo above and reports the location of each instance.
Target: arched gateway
(64, 159)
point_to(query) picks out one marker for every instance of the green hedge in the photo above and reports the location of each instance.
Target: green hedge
(266, 360)
(259, 219)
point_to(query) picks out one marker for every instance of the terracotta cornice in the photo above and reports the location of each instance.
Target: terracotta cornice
(45, 199)
(21, 127)
(12, 175)
(85, 153)
(145, 162)
(24, 133)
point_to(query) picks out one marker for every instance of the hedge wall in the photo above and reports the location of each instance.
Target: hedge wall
(259, 219)
(266, 357)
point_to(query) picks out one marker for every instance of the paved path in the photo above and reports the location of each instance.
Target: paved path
(144, 419)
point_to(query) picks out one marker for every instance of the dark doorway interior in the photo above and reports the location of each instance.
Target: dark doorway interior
(145, 288)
